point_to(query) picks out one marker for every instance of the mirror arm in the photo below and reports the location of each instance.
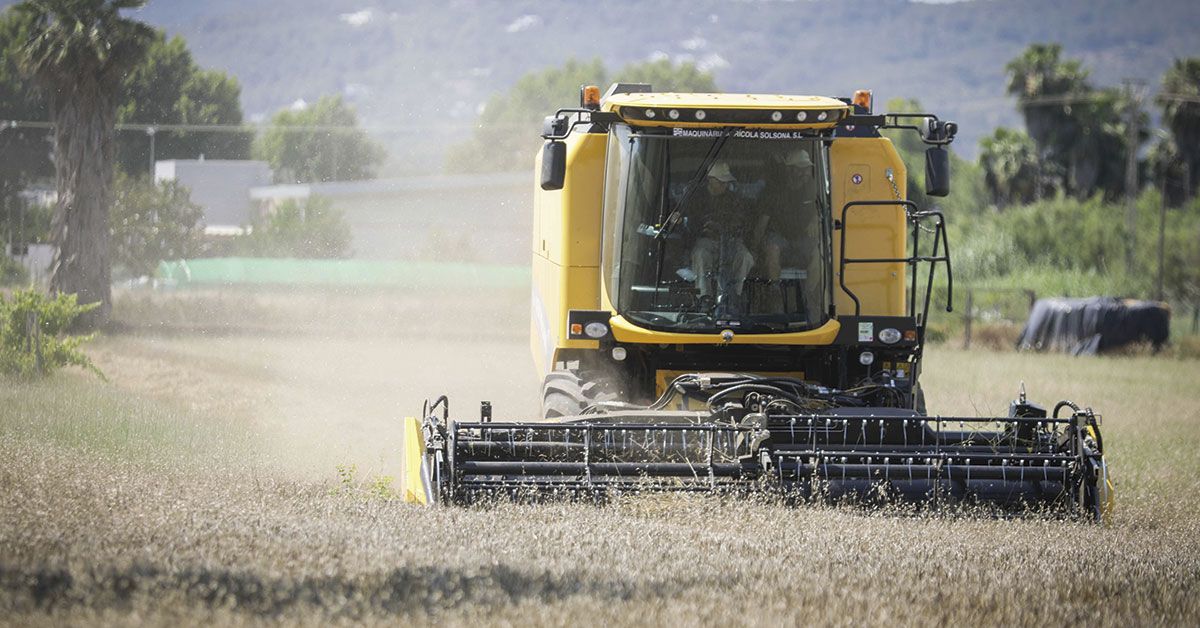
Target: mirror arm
(559, 126)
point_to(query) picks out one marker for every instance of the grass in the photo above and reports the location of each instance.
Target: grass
(201, 486)
(95, 419)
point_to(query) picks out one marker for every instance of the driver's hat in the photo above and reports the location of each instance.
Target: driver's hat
(798, 158)
(721, 172)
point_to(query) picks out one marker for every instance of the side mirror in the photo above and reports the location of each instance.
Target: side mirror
(554, 165)
(555, 126)
(937, 171)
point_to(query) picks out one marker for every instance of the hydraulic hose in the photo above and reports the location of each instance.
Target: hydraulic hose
(1064, 403)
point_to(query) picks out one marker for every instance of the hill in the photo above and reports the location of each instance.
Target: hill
(419, 71)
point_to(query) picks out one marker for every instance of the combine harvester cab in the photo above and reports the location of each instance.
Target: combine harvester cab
(730, 294)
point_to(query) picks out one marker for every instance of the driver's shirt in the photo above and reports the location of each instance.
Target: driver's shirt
(791, 206)
(711, 216)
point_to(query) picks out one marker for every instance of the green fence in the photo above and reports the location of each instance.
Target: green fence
(247, 271)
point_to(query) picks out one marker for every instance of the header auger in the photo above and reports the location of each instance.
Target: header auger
(730, 294)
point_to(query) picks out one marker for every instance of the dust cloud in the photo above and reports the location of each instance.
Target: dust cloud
(323, 377)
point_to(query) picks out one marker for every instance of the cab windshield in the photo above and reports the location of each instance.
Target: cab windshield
(718, 229)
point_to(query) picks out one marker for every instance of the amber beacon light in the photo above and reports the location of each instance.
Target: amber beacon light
(589, 97)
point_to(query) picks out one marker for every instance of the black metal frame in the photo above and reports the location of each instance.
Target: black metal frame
(559, 127)
(946, 130)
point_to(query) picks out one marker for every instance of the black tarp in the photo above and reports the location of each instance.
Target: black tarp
(1094, 325)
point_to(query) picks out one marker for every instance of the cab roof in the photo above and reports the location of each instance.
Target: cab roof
(718, 110)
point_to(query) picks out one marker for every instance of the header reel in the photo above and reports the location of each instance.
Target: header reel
(751, 433)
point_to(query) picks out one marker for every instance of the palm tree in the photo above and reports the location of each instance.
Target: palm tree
(1048, 90)
(1180, 101)
(1010, 166)
(78, 53)
(1039, 78)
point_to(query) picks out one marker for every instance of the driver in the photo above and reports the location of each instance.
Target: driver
(720, 254)
(787, 226)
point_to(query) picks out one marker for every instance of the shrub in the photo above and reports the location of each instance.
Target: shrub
(11, 273)
(1000, 336)
(152, 222)
(377, 487)
(311, 229)
(35, 336)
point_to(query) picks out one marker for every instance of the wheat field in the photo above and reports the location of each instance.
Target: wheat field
(238, 473)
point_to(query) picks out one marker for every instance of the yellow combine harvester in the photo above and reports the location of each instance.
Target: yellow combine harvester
(731, 291)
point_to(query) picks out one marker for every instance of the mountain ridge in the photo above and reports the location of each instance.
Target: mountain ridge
(424, 69)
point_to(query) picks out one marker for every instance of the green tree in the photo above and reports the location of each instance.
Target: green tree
(311, 228)
(509, 128)
(152, 222)
(1181, 255)
(1010, 166)
(1180, 102)
(12, 272)
(1078, 129)
(1168, 168)
(1099, 143)
(1044, 85)
(24, 152)
(320, 142)
(167, 87)
(78, 52)
(665, 76)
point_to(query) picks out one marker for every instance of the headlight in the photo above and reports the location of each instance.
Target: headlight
(595, 329)
(866, 358)
(889, 336)
(801, 116)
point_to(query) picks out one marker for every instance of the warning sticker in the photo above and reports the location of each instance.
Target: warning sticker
(866, 332)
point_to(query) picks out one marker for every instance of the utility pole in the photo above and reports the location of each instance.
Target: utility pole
(1162, 237)
(151, 132)
(1132, 107)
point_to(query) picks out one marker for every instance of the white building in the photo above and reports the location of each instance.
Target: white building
(221, 187)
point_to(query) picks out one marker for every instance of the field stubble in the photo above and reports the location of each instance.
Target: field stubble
(199, 486)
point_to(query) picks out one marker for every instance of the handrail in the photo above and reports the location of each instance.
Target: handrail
(914, 216)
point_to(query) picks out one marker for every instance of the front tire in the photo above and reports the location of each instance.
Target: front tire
(919, 401)
(567, 393)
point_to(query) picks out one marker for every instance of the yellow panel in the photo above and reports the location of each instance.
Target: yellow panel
(543, 304)
(859, 168)
(625, 331)
(415, 478)
(555, 291)
(569, 220)
(566, 250)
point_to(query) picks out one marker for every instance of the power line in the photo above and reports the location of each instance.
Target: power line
(1071, 99)
(147, 127)
(1177, 97)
